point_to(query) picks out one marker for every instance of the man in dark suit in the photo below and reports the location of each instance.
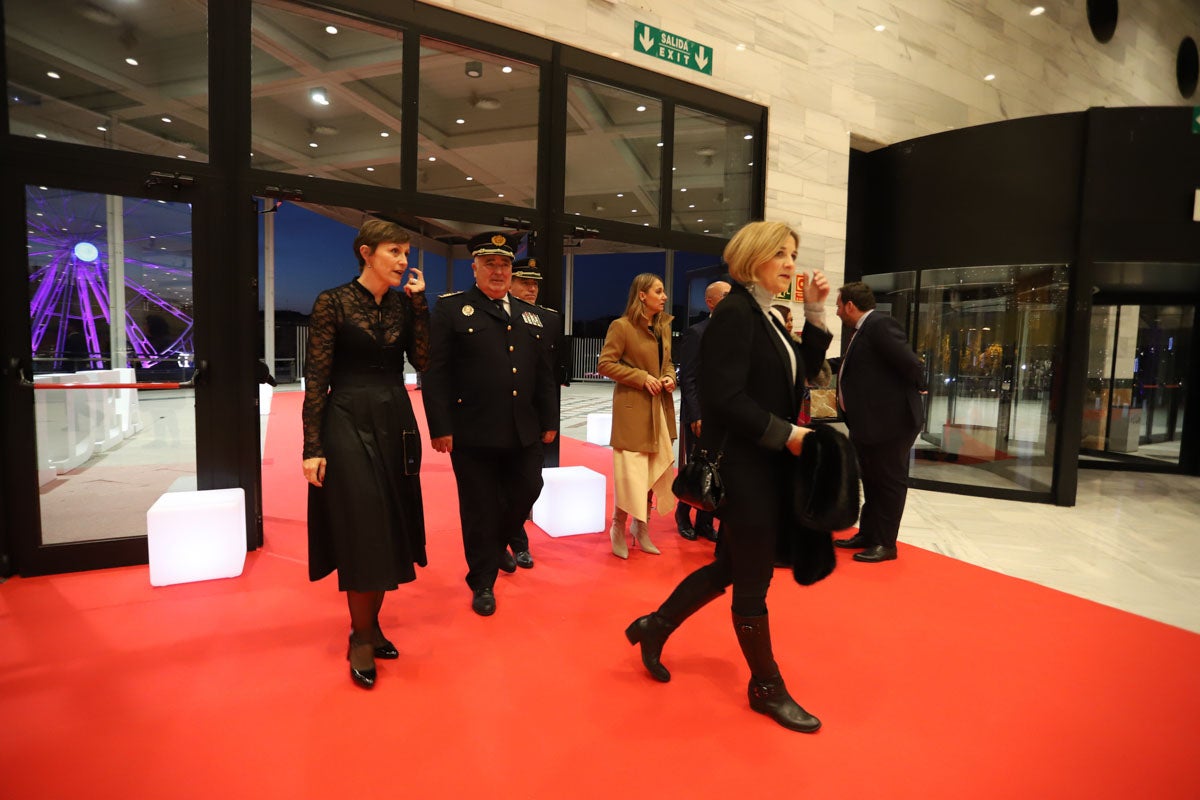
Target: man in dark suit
(526, 284)
(489, 400)
(880, 380)
(688, 359)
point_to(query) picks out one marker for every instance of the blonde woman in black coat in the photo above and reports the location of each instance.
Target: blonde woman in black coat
(752, 377)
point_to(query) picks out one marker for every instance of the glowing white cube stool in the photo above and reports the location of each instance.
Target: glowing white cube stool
(265, 392)
(572, 501)
(197, 536)
(599, 428)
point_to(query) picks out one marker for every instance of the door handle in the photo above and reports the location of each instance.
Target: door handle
(23, 381)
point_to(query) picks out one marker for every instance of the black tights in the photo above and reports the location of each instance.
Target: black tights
(745, 559)
(364, 612)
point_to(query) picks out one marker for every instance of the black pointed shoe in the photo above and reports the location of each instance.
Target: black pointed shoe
(651, 632)
(857, 540)
(357, 651)
(383, 648)
(873, 555)
(683, 521)
(524, 559)
(507, 562)
(484, 602)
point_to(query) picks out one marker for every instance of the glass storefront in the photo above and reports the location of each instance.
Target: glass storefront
(123, 76)
(713, 174)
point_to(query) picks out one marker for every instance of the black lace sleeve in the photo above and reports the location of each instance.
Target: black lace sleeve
(318, 365)
(417, 346)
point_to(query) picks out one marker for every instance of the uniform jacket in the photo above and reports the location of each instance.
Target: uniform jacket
(629, 355)
(554, 345)
(880, 382)
(749, 402)
(488, 376)
(688, 359)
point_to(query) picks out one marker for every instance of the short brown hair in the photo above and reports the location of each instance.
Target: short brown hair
(858, 293)
(375, 232)
(753, 245)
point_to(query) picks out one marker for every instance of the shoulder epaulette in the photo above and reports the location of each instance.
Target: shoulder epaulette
(450, 294)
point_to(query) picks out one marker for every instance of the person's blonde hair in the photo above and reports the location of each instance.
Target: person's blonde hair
(635, 309)
(753, 245)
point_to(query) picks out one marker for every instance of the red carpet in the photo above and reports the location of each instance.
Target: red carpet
(935, 679)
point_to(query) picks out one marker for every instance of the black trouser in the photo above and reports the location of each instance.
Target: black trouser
(496, 489)
(883, 467)
(745, 558)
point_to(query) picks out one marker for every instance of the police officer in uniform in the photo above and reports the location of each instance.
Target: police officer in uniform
(489, 397)
(526, 284)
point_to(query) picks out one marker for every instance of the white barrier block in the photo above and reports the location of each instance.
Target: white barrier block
(196, 536)
(599, 428)
(265, 392)
(572, 501)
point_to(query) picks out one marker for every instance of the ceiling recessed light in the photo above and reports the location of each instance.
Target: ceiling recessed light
(881, 28)
(433, 158)
(460, 121)
(691, 205)
(101, 128)
(384, 134)
(370, 169)
(641, 108)
(506, 69)
(740, 47)
(165, 119)
(313, 144)
(620, 194)
(1037, 11)
(989, 77)
(131, 61)
(633, 211)
(700, 220)
(318, 95)
(470, 178)
(40, 135)
(43, 188)
(748, 136)
(331, 30)
(181, 155)
(683, 189)
(53, 74)
(499, 195)
(659, 144)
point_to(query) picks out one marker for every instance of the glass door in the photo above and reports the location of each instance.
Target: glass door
(1138, 361)
(109, 374)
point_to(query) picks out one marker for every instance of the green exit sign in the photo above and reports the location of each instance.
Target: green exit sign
(669, 47)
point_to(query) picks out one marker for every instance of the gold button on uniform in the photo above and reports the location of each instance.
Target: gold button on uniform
(514, 370)
(510, 349)
(514, 392)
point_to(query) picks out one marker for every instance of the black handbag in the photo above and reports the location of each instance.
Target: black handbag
(699, 480)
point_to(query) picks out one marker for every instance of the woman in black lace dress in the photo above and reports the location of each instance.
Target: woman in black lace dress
(361, 445)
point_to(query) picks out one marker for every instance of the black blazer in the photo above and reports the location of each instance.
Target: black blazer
(687, 361)
(881, 378)
(749, 402)
(489, 382)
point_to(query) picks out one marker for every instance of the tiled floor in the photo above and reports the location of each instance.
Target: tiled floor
(1132, 541)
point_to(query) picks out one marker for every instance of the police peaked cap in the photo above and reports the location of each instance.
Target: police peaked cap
(526, 268)
(493, 243)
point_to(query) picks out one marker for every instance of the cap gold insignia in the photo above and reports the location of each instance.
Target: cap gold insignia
(533, 262)
(499, 240)
(468, 310)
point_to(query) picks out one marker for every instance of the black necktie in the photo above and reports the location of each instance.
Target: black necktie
(500, 305)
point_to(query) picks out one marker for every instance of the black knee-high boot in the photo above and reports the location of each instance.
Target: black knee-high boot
(767, 693)
(651, 631)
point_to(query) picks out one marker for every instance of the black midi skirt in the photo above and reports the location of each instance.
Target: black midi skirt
(367, 521)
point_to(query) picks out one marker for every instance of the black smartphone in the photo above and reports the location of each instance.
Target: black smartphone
(410, 442)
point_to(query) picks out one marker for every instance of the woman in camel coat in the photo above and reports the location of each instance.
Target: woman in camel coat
(637, 356)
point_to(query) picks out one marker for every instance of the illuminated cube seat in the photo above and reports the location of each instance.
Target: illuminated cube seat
(197, 536)
(599, 428)
(572, 501)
